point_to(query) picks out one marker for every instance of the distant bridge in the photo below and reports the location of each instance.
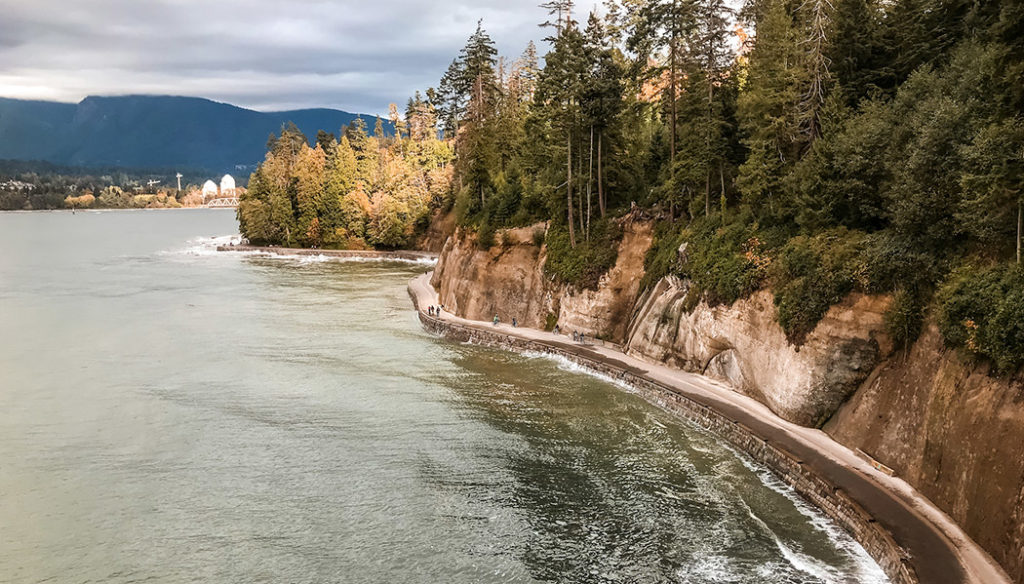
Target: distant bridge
(222, 203)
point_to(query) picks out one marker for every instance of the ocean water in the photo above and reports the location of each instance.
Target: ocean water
(173, 414)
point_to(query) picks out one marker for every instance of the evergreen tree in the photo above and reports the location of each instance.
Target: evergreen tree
(601, 100)
(768, 109)
(993, 181)
(356, 135)
(661, 25)
(710, 49)
(559, 88)
(856, 50)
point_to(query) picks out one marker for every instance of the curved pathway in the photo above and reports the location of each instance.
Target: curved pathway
(940, 552)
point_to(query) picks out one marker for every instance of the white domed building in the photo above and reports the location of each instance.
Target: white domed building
(209, 190)
(227, 186)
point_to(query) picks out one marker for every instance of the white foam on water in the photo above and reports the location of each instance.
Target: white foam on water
(710, 568)
(566, 364)
(313, 259)
(207, 246)
(867, 570)
(798, 560)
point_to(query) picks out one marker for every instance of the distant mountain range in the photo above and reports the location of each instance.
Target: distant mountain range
(151, 131)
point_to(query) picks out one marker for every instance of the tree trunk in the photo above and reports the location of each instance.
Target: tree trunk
(568, 188)
(1020, 225)
(579, 173)
(600, 186)
(590, 178)
(707, 139)
(672, 98)
(721, 177)
(707, 194)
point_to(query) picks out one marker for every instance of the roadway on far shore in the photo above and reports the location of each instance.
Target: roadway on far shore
(941, 553)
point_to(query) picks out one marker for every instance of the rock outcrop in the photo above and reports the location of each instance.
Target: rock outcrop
(952, 431)
(744, 345)
(508, 280)
(440, 228)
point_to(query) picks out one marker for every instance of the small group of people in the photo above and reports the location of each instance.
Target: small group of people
(576, 336)
(435, 310)
(497, 321)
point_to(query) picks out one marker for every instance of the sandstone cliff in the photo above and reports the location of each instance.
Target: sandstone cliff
(744, 346)
(944, 425)
(440, 228)
(953, 432)
(508, 280)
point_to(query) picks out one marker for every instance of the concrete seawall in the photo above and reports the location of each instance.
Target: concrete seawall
(833, 500)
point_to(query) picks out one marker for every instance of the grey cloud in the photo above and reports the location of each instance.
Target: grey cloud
(256, 53)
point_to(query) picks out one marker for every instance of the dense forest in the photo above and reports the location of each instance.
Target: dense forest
(357, 192)
(813, 147)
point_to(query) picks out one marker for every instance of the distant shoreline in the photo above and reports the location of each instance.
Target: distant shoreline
(401, 254)
(103, 209)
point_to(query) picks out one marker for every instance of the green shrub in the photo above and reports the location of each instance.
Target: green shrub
(904, 318)
(894, 263)
(814, 273)
(538, 236)
(550, 322)
(583, 265)
(662, 256)
(485, 236)
(467, 207)
(724, 263)
(982, 310)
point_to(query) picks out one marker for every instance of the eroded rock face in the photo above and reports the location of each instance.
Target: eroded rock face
(442, 226)
(605, 312)
(953, 432)
(508, 280)
(744, 346)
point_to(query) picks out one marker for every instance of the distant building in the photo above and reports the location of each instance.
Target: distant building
(17, 185)
(209, 190)
(227, 186)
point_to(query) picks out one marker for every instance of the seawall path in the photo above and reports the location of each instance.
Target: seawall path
(911, 539)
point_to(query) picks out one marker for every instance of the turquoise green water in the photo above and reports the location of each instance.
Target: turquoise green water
(171, 414)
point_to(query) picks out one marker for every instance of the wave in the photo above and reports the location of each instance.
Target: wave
(867, 571)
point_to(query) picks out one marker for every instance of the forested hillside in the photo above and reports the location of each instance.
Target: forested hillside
(357, 192)
(815, 148)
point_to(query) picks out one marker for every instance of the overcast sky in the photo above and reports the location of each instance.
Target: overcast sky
(262, 54)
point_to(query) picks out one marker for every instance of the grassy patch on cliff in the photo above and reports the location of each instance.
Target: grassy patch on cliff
(981, 310)
(728, 261)
(583, 265)
(724, 262)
